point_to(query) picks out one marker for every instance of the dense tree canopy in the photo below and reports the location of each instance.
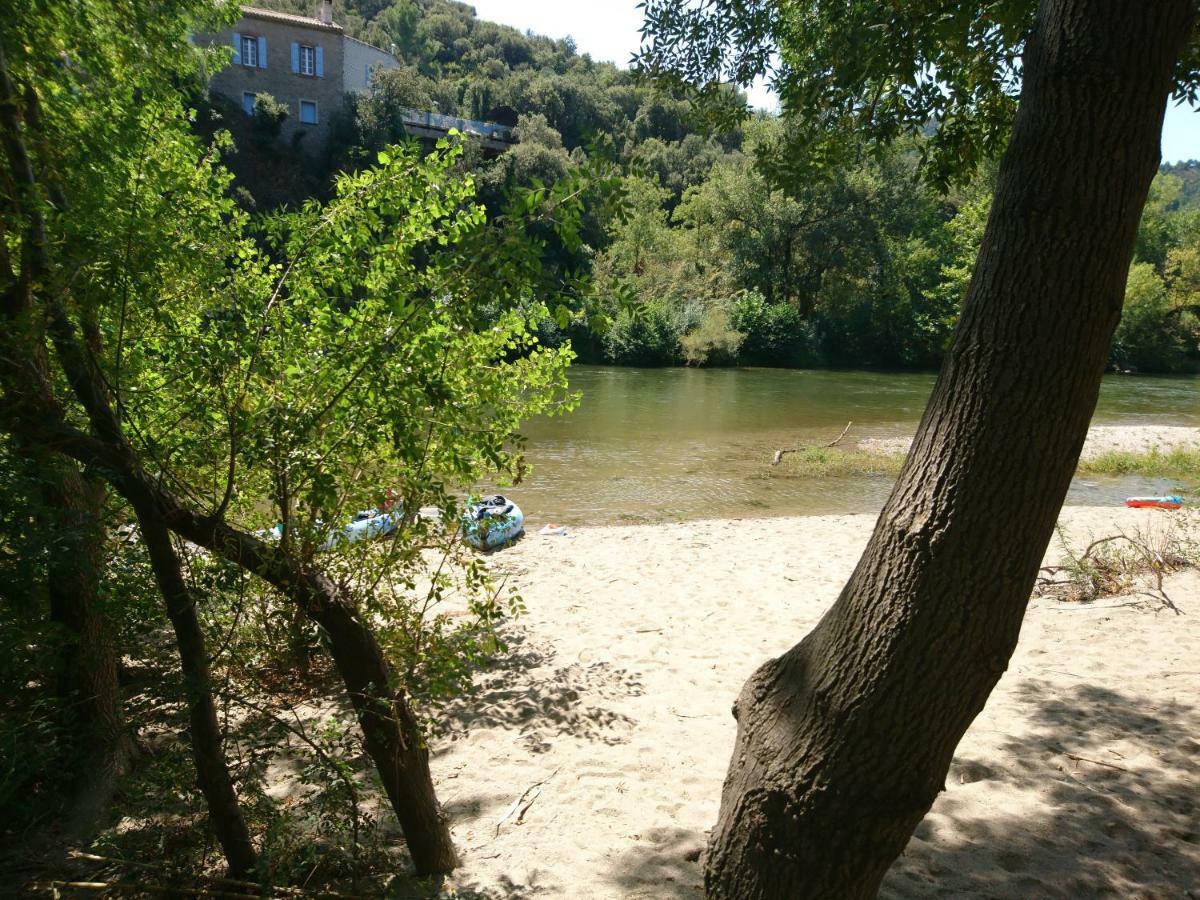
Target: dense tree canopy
(832, 235)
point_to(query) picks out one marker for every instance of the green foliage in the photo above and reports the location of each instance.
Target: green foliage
(712, 341)
(1153, 335)
(268, 118)
(775, 333)
(1180, 463)
(287, 368)
(843, 70)
(822, 213)
(643, 335)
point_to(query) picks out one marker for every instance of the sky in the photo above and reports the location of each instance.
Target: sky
(610, 31)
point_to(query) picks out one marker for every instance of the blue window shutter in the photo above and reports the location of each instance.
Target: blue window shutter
(262, 52)
(320, 62)
(237, 49)
(295, 57)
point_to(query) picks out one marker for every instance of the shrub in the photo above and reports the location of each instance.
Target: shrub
(715, 341)
(643, 335)
(268, 118)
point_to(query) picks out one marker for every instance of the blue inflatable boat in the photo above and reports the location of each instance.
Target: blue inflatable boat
(491, 521)
(366, 525)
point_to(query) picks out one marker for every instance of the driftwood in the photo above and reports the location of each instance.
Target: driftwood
(1090, 576)
(521, 805)
(780, 454)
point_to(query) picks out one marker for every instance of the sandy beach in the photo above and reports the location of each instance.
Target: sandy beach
(590, 763)
(1101, 439)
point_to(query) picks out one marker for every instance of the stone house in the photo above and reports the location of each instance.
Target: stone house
(306, 63)
(309, 64)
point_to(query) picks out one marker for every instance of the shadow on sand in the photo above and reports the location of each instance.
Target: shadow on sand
(525, 692)
(1079, 829)
(1094, 821)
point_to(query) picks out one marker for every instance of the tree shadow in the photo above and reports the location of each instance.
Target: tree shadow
(664, 864)
(524, 691)
(1098, 798)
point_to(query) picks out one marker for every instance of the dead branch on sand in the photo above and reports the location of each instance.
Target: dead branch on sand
(780, 454)
(1104, 571)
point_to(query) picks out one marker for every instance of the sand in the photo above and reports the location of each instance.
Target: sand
(1101, 439)
(1079, 779)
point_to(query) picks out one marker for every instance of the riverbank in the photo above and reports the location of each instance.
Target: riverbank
(1102, 440)
(610, 722)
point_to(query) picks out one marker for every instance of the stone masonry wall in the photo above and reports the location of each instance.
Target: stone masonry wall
(281, 82)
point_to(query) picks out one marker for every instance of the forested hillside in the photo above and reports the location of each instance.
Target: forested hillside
(712, 263)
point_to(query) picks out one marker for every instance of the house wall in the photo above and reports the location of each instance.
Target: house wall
(281, 82)
(359, 61)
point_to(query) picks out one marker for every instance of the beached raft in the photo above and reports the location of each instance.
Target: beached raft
(492, 521)
(1154, 502)
(366, 525)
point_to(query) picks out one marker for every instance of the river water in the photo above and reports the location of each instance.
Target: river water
(663, 445)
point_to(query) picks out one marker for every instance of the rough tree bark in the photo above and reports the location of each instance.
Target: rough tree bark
(204, 731)
(87, 664)
(844, 741)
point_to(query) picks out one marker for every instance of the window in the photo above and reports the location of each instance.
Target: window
(249, 51)
(308, 112)
(248, 101)
(308, 59)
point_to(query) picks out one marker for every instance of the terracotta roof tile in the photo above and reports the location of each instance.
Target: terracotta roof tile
(271, 15)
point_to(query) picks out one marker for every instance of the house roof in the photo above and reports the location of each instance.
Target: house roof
(270, 15)
(372, 46)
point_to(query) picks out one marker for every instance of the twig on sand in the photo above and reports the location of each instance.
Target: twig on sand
(780, 454)
(521, 805)
(1096, 762)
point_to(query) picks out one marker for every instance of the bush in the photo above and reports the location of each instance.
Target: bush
(714, 341)
(775, 333)
(645, 335)
(1151, 336)
(268, 118)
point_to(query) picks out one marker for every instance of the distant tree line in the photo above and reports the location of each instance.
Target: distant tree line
(862, 264)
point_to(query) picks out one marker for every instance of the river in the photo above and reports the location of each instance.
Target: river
(655, 445)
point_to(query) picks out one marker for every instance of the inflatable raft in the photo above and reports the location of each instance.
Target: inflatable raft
(1154, 502)
(368, 524)
(492, 521)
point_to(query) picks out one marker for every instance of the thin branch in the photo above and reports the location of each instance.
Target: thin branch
(779, 454)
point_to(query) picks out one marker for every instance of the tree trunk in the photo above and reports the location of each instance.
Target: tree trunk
(844, 741)
(390, 730)
(392, 736)
(87, 665)
(207, 742)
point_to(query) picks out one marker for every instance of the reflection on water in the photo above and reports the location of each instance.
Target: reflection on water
(679, 444)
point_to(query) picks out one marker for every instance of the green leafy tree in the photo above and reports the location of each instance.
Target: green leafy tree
(222, 374)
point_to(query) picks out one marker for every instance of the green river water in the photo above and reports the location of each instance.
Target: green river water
(662, 445)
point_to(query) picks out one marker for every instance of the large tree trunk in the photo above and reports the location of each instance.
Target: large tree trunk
(204, 731)
(843, 742)
(87, 664)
